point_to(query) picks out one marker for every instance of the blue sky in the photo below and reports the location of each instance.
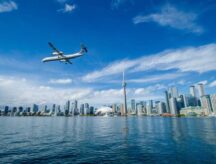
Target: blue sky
(158, 43)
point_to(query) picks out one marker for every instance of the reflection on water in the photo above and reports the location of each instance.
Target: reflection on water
(110, 140)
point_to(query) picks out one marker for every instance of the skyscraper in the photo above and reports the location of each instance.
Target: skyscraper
(125, 96)
(201, 89)
(122, 109)
(114, 108)
(81, 109)
(34, 108)
(192, 91)
(213, 102)
(167, 102)
(150, 107)
(173, 92)
(193, 97)
(161, 107)
(67, 108)
(86, 109)
(53, 108)
(74, 107)
(173, 106)
(139, 110)
(133, 105)
(186, 101)
(206, 104)
(91, 110)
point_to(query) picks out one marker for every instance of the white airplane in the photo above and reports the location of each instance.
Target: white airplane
(59, 55)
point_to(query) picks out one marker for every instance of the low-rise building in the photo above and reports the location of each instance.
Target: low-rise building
(192, 111)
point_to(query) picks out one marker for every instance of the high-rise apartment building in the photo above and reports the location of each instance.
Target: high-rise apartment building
(173, 106)
(201, 90)
(213, 102)
(133, 106)
(206, 104)
(167, 102)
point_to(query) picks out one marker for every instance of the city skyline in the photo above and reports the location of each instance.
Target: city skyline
(194, 103)
(158, 44)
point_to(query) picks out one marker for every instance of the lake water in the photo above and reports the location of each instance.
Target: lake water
(107, 140)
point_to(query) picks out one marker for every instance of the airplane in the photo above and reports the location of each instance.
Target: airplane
(59, 55)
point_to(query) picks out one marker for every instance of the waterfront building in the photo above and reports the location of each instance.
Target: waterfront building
(156, 107)
(86, 109)
(192, 111)
(6, 110)
(82, 106)
(74, 107)
(173, 92)
(180, 102)
(91, 110)
(67, 108)
(213, 102)
(20, 109)
(34, 108)
(58, 109)
(206, 104)
(133, 106)
(193, 97)
(201, 90)
(114, 108)
(44, 109)
(14, 110)
(167, 102)
(150, 107)
(161, 107)
(139, 109)
(28, 109)
(185, 100)
(53, 108)
(192, 91)
(173, 106)
(67, 105)
(104, 110)
(122, 110)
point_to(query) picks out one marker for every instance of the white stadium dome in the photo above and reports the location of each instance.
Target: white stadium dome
(103, 110)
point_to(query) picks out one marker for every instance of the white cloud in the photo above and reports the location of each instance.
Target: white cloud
(60, 81)
(156, 78)
(16, 91)
(172, 17)
(68, 8)
(197, 59)
(182, 82)
(112, 69)
(212, 84)
(7, 6)
(19, 91)
(204, 82)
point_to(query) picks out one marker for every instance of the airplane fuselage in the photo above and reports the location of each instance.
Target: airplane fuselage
(63, 58)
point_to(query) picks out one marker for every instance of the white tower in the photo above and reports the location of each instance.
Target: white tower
(201, 90)
(125, 96)
(192, 91)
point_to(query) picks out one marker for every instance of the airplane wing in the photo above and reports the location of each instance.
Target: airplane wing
(54, 48)
(68, 61)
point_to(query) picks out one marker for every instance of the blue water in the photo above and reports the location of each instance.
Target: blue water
(107, 140)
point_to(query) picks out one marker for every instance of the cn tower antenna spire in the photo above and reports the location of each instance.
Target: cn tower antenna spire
(124, 93)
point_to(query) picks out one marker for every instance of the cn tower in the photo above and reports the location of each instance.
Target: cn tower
(124, 93)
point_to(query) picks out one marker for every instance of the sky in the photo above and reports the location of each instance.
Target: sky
(158, 43)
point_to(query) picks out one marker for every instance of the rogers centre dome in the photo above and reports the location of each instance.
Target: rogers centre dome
(103, 110)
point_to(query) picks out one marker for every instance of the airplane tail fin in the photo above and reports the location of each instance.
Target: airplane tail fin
(83, 49)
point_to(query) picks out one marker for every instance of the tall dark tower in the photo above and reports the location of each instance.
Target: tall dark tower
(124, 84)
